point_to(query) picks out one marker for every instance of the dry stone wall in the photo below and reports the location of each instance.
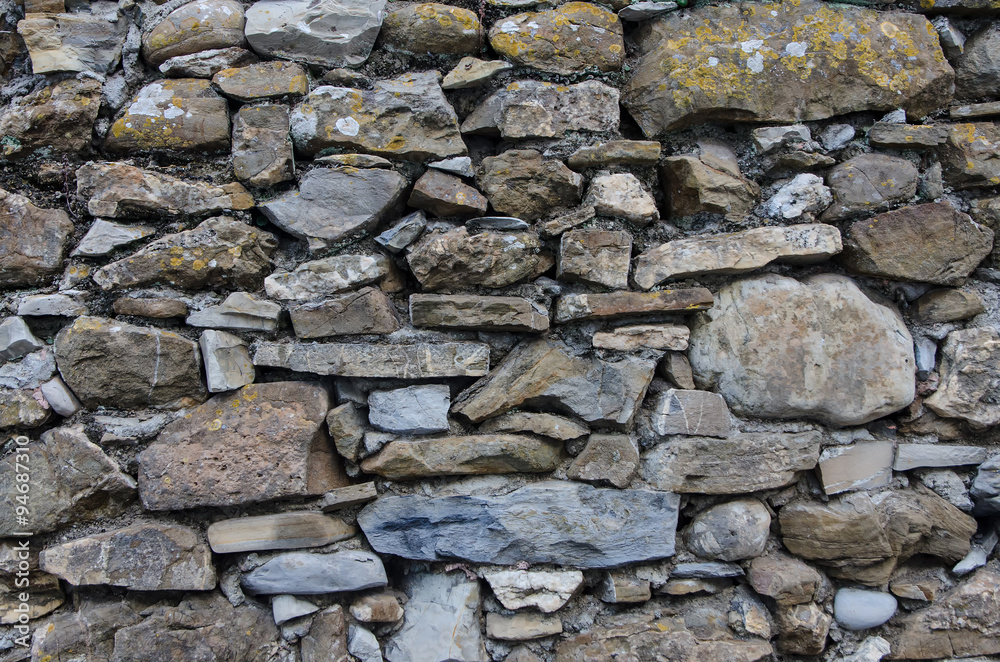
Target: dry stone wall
(499, 330)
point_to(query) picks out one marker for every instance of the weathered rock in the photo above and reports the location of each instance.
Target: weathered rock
(377, 608)
(71, 480)
(29, 373)
(90, 630)
(32, 241)
(861, 466)
(118, 190)
(543, 372)
(769, 138)
(446, 195)
(331, 33)
(730, 531)
(676, 367)
(45, 597)
(473, 72)
(546, 425)
(442, 614)
(545, 590)
(623, 196)
(302, 573)
(976, 70)
(691, 412)
(652, 336)
(430, 27)
(771, 79)
(738, 252)
(748, 462)
(288, 607)
(63, 305)
(971, 156)
(57, 118)
(179, 114)
(80, 42)
(933, 243)
(869, 183)
(332, 204)
(615, 152)
(418, 361)
(266, 80)
(219, 253)
(643, 10)
(411, 410)
(366, 311)
(911, 456)
(403, 233)
(803, 197)
(62, 400)
(110, 363)
(262, 146)
(345, 497)
(968, 373)
(618, 588)
(239, 312)
(607, 458)
(293, 530)
(521, 183)
(536, 109)
(16, 339)
(142, 557)
(802, 629)
(841, 339)
(565, 40)
(458, 259)
(321, 278)
(196, 26)
(598, 257)
(522, 627)
(947, 305)
(206, 64)
(405, 118)
(363, 645)
(856, 609)
(549, 522)
(785, 578)
(572, 307)
(405, 459)
(227, 361)
(694, 185)
(461, 311)
(20, 409)
(907, 136)
(347, 427)
(104, 237)
(230, 455)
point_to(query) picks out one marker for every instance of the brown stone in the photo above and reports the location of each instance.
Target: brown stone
(947, 305)
(345, 497)
(694, 186)
(347, 427)
(446, 195)
(266, 80)
(33, 241)
(615, 152)
(522, 627)
(607, 458)
(295, 530)
(652, 336)
(197, 26)
(456, 259)
(89, 631)
(160, 308)
(869, 183)
(405, 459)
(327, 637)
(618, 588)
(562, 220)
(464, 311)
(597, 257)
(971, 156)
(377, 608)
(430, 27)
(573, 307)
(802, 629)
(968, 373)
(907, 136)
(57, 118)
(862, 466)
(367, 311)
(19, 408)
(46, 594)
(676, 367)
(546, 425)
(785, 578)
(521, 183)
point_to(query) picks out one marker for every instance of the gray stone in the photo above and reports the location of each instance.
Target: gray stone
(607, 458)
(461, 311)
(363, 645)
(597, 257)
(327, 637)
(804, 196)
(473, 72)
(30, 372)
(133, 428)
(952, 40)
(912, 456)
(861, 466)
(404, 232)
(286, 607)
(978, 555)
(239, 312)
(546, 590)
(105, 236)
(419, 361)
(977, 69)
(622, 195)
(677, 369)
(730, 531)
(89, 42)
(948, 485)
(691, 412)
(331, 33)
(321, 278)
(206, 64)
(294, 530)
(367, 311)
(986, 486)
(869, 183)
(332, 205)
(497, 223)
(856, 609)
(262, 81)
(653, 336)
(262, 145)
(641, 11)
(411, 410)
(16, 339)
(548, 522)
(546, 425)
(836, 137)
(769, 138)
(194, 27)
(710, 570)
(32, 241)
(970, 157)
(405, 459)
(302, 573)
(51, 304)
(821, 338)
(227, 361)
(968, 375)
(54, 119)
(442, 618)
(456, 259)
(456, 165)
(60, 398)
(906, 136)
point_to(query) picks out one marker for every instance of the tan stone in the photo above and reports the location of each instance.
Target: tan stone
(430, 27)
(367, 311)
(907, 136)
(456, 259)
(652, 336)
(607, 458)
(345, 497)
(405, 459)
(785, 578)
(446, 195)
(521, 183)
(618, 588)
(33, 241)
(597, 257)
(802, 629)
(573, 307)
(694, 186)
(615, 152)
(968, 369)
(861, 466)
(522, 627)
(377, 608)
(947, 305)
(971, 156)
(463, 311)
(546, 425)
(197, 26)
(293, 530)
(57, 118)
(266, 80)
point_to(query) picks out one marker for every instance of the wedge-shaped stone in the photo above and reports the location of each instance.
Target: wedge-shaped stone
(785, 578)
(345, 497)
(694, 70)
(547, 425)
(536, 109)
(227, 361)
(672, 337)
(219, 253)
(933, 243)
(572, 307)
(405, 459)
(281, 531)
(366, 311)
(456, 259)
(405, 118)
(81, 42)
(744, 463)
(302, 573)
(694, 185)
(207, 63)
(691, 412)
(738, 252)
(969, 370)
(194, 27)
(544, 373)
(912, 456)
(142, 557)
(239, 312)
(332, 205)
(103, 237)
(607, 458)
(466, 311)
(262, 147)
(550, 522)
(32, 241)
(57, 118)
(118, 190)
(113, 364)
(71, 481)
(321, 278)
(547, 590)
(420, 361)
(226, 452)
(861, 466)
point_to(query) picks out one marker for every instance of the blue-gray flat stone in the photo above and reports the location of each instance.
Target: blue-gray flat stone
(302, 573)
(855, 609)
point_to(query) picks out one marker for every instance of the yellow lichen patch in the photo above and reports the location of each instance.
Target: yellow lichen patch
(215, 425)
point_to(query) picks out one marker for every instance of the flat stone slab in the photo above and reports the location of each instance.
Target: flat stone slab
(302, 573)
(419, 409)
(550, 522)
(912, 456)
(862, 466)
(420, 361)
(280, 531)
(465, 311)
(573, 307)
(406, 459)
(680, 411)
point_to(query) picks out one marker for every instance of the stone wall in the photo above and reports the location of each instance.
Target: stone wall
(499, 330)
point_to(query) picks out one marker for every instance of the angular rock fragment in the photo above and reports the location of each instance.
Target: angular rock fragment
(293, 530)
(430, 27)
(738, 252)
(907, 136)
(262, 146)
(473, 72)
(142, 557)
(405, 118)
(19, 408)
(377, 608)
(302, 573)
(419, 361)
(230, 450)
(802, 629)
(546, 425)
(345, 497)
(89, 631)
(730, 531)
(869, 183)
(29, 373)
(88, 42)
(617, 588)
(748, 462)
(912, 456)
(615, 152)
(861, 466)
(947, 305)
(239, 312)
(462, 311)
(968, 374)
(16, 339)
(597, 257)
(607, 458)
(572, 307)
(193, 27)
(544, 373)
(327, 637)
(971, 156)
(158, 308)
(977, 68)
(321, 278)
(548, 522)
(366, 311)
(803, 197)
(545, 590)
(522, 627)
(623, 196)
(411, 410)
(446, 195)
(227, 361)
(442, 614)
(404, 232)
(104, 237)
(696, 185)
(206, 64)
(62, 305)
(219, 253)
(458, 259)
(288, 607)
(406, 459)
(521, 183)
(652, 336)
(58, 118)
(32, 241)
(45, 597)
(266, 80)
(691, 412)
(785, 578)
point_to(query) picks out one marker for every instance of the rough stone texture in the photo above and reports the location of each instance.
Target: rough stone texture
(521, 183)
(473, 72)
(206, 64)
(403, 232)
(262, 146)
(456, 259)
(354, 313)
(71, 480)
(694, 186)
(196, 26)
(543, 372)
(142, 557)
(622, 195)
(748, 462)
(321, 278)
(770, 78)
(265, 80)
(971, 157)
(110, 363)
(976, 70)
(653, 336)
(967, 376)
(411, 410)
(406, 459)
(736, 253)
(730, 531)
(446, 195)
(947, 305)
(785, 578)
(842, 338)
(906, 136)
(239, 312)
(911, 456)
(933, 243)
(547, 591)
(20, 409)
(347, 427)
(33, 241)
(332, 204)
(78, 42)
(575, 36)
(442, 615)
(231, 456)
(56, 118)
(869, 183)
(227, 361)
(460, 311)
(802, 629)
(596, 257)
(546, 425)
(419, 361)
(281, 531)
(219, 253)
(607, 458)
(377, 608)
(691, 412)
(90, 630)
(327, 638)
(303, 573)
(615, 152)
(104, 237)
(522, 627)
(430, 27)
(404, 118)
(549, 522)
(329, 33)
(572, 307)
(861, 466)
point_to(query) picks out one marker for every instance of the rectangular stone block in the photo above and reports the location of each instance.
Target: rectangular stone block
(419, 361)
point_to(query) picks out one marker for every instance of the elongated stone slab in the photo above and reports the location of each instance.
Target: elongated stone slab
(550, 522)
(572, 307)
(465, 311)
(302, 573)
(911, 456)
(279, 531)
(456, 456)
(420, 361)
